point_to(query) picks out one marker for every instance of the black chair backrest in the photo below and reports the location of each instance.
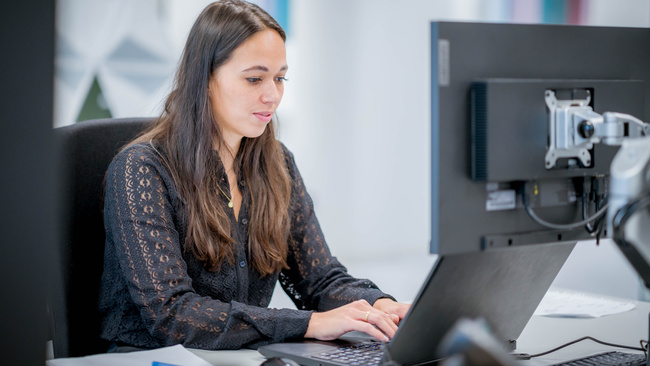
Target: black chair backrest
(87, 149)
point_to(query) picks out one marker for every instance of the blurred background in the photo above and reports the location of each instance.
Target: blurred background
(355, 113)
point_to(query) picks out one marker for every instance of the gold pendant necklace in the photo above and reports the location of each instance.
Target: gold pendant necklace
(230, 204)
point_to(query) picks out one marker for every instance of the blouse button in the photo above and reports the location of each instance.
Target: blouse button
(242, 264)
(244, 221)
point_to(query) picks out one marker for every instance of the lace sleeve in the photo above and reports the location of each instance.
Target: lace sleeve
(315, 279)
(148, 295)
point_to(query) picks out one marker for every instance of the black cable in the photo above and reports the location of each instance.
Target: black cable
(599, 225)
(595, 190)
(550, 225)
(645, 348)
(589, 227)
(595, 228)
(592, 339)
(601, 222)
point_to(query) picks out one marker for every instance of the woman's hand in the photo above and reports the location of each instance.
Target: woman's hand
(397, 310)
(358, 315)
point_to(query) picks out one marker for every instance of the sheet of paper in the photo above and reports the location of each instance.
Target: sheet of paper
(574, 304)
(174, 355)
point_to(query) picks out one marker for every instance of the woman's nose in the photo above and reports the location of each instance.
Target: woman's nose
(272, 93)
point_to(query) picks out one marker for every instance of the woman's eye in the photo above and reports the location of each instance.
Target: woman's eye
(279, 79)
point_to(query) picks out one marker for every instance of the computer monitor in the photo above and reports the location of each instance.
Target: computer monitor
(496, 94)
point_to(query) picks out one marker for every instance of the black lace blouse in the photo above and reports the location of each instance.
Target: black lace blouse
(154, 294)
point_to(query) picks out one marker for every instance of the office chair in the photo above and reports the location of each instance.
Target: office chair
(87, 149)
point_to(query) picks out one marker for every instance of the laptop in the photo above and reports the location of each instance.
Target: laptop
(501, 286)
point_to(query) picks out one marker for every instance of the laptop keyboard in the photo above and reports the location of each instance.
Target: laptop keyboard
(614, 358)
(356, 354)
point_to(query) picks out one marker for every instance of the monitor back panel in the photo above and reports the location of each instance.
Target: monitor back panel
(604, 59)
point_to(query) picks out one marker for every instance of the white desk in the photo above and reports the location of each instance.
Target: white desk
(540, 335)
(243, 357)
(543, 333)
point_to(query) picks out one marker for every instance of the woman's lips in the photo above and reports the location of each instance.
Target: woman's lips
(264, 116)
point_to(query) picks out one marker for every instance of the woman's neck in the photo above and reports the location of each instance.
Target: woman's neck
(227, 152)
(227, 159)
(227, 155)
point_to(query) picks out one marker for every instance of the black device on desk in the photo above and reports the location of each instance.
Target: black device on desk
(525, 123)
(502, 286)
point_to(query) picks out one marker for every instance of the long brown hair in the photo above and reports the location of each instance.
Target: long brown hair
(186, 132)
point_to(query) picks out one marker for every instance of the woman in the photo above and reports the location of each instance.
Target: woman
(207, 210)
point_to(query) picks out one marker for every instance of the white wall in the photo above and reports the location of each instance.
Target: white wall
(626, 13)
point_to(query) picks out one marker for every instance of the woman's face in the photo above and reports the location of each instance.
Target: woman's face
(246, 90)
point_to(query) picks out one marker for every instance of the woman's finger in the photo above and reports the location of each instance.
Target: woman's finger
(380, 320)
(383, 322)
(366, 318)
(373, 332)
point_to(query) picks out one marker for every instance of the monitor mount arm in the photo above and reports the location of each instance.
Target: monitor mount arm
(628, 216)
(574, 128)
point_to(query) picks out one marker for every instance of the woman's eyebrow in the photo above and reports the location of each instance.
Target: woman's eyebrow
(264, 68)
